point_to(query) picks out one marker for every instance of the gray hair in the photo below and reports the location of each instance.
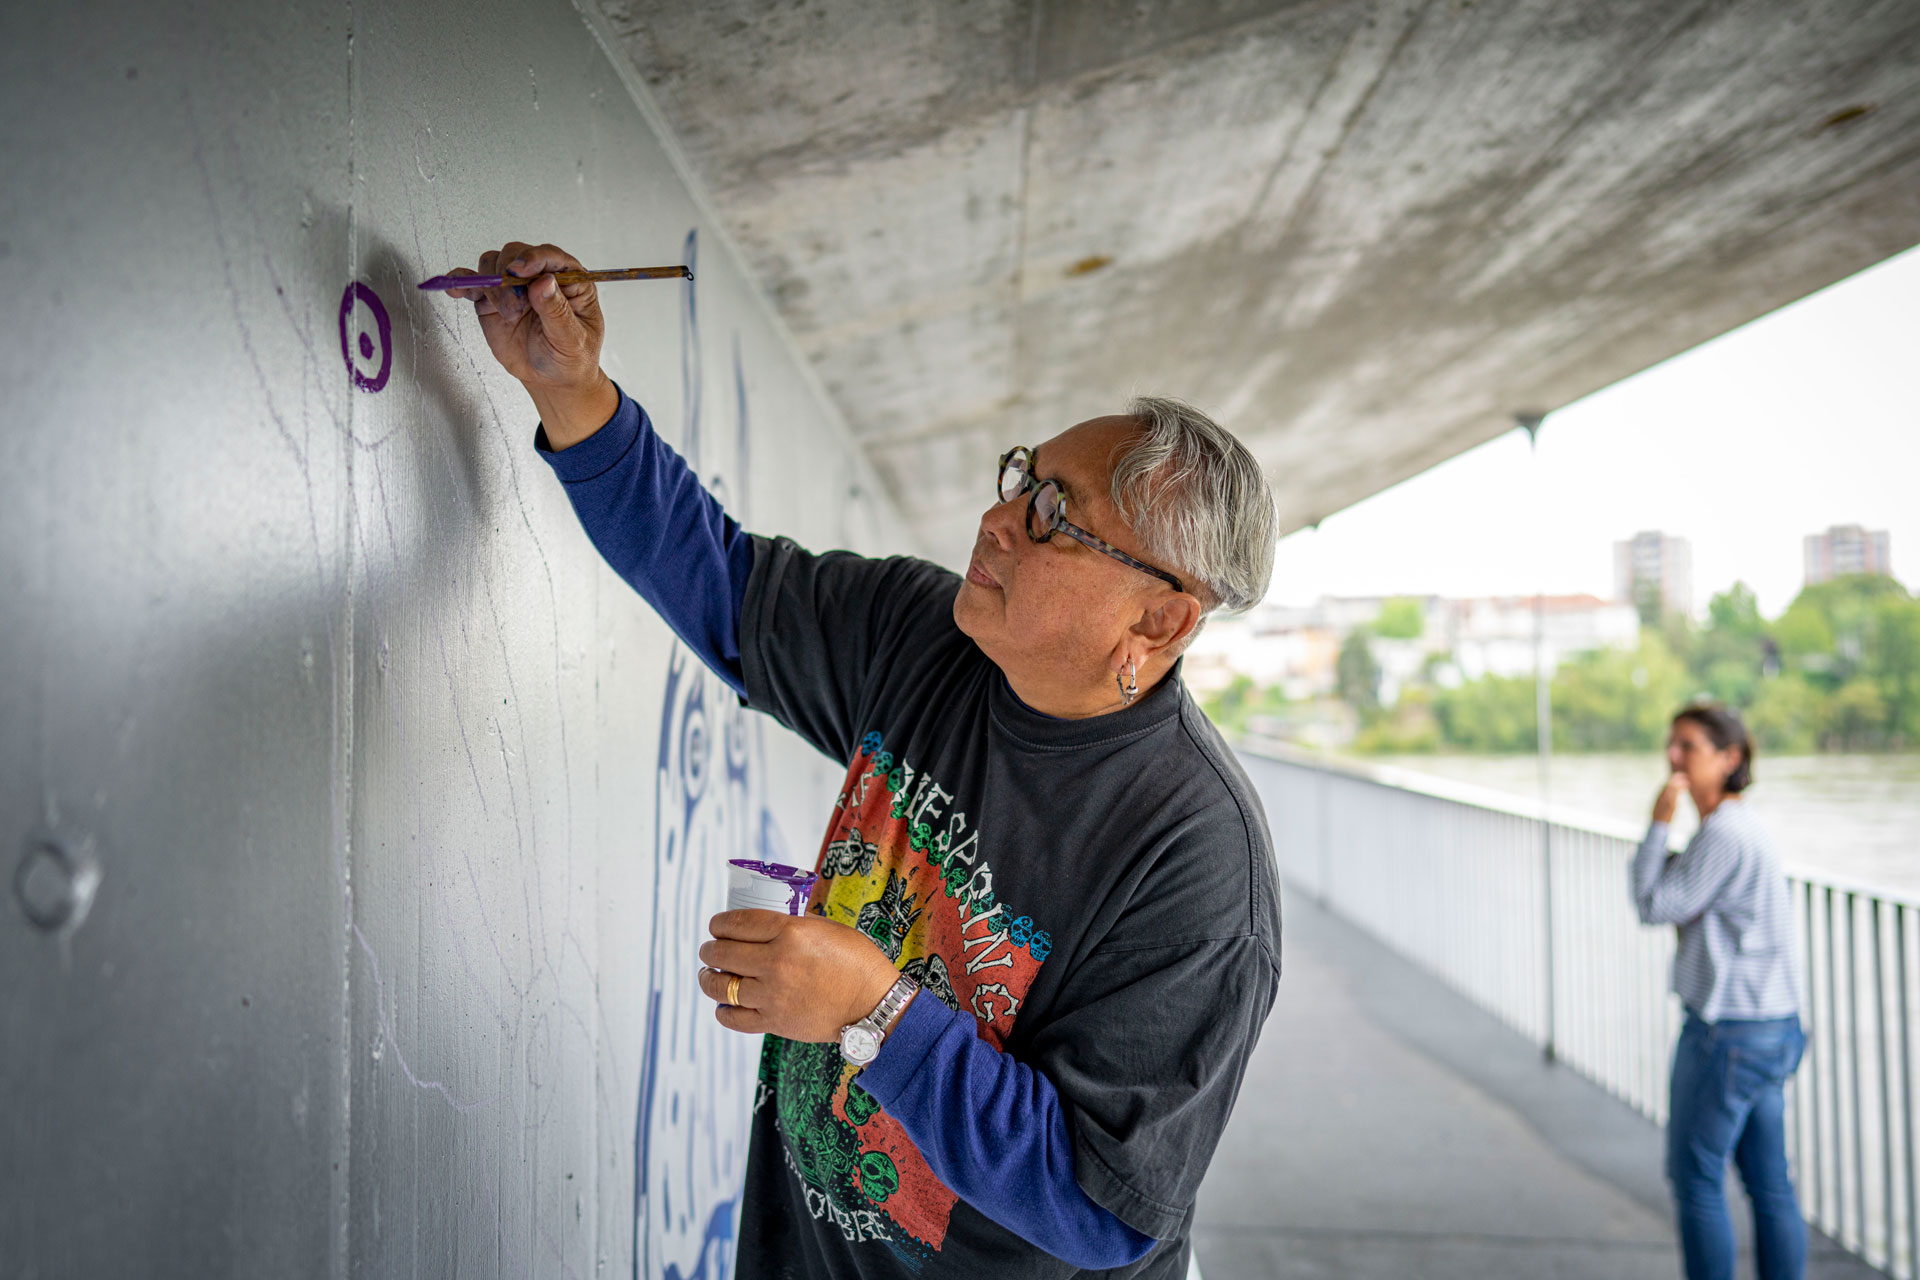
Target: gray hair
(1198, 503)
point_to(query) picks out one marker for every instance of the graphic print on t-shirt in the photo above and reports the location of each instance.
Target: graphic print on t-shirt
(904, 868)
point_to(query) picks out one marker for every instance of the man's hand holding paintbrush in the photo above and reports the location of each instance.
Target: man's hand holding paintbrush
(549, 338)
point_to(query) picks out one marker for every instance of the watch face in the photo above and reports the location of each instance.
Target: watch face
(859, 1044)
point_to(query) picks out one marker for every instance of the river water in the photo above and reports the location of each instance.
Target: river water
(1856, 817)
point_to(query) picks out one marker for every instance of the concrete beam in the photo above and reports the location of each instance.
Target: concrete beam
(1363, 232)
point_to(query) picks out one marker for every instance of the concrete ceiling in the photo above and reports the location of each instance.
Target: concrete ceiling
(1363, 233)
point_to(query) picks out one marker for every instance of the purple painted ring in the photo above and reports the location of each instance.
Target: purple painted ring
(365, 293)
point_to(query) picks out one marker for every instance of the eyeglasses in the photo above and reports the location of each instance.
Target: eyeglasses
(1047, 511)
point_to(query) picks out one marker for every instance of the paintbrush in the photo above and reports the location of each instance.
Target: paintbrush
(440, 284)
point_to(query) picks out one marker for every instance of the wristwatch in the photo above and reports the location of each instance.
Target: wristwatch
(860, 1041)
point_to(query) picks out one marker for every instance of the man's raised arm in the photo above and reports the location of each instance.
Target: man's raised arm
(645, 510)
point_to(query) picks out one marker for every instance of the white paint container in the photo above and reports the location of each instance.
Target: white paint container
(767, 886)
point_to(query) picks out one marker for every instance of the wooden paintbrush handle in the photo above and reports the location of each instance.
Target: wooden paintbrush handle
(603, 277)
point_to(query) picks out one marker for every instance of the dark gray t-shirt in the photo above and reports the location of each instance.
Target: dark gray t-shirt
(1099, 893)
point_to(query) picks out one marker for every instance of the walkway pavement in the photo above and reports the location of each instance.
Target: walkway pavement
(1388, 1128)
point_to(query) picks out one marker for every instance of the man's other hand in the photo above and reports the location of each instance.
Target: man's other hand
(802, 977)
(550, 339)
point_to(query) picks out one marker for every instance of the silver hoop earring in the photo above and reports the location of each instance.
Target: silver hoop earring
(1130, 686)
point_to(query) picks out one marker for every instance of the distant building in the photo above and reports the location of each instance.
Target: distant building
(1291, 648)
(1298, 649)
(1654, 573)
(1493, 636)
(1847, 548)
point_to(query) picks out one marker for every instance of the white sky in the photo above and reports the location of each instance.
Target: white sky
(1805, 418)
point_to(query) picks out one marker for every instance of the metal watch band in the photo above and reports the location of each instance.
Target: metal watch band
(891, 1003)
(860, 1041)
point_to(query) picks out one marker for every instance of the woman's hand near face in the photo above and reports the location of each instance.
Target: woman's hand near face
(1669, 798)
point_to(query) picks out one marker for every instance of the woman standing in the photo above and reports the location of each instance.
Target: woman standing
(1735, 973)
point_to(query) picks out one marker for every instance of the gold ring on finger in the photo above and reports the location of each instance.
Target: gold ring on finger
(733, 989)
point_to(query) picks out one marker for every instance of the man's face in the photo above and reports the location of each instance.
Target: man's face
(1051, 613)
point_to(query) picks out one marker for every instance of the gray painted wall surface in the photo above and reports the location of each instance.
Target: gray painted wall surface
(405, 814)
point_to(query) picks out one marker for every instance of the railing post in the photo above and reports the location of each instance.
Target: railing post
(1839, 1228)
(1817, 1069)
(1906, 1090)
(1543, 713)
(1546, 884)
(1853, 1073)
(1325, 785)
(1886, 1090)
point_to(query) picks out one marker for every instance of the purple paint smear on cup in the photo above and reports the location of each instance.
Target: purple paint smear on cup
(364, 293)
(799, 883)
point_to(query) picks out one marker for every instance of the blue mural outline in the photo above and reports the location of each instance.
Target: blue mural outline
(696, 1076)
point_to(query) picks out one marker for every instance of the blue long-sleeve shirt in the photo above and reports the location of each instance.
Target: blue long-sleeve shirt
(990, 1126)
(993, 1129)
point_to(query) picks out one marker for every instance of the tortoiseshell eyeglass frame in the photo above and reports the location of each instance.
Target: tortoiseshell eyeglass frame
(1022, 457)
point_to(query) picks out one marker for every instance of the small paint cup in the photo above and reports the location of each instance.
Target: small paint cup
(767, 886)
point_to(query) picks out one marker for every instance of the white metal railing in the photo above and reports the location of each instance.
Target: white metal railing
(1527, 913)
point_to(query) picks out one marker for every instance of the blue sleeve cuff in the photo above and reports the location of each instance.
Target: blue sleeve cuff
(600, 452)
(995, 1131)
(908, 1045)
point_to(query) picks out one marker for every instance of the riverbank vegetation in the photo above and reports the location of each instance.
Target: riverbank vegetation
(1838, 670)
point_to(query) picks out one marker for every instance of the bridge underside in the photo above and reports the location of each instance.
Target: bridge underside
(1364, 232)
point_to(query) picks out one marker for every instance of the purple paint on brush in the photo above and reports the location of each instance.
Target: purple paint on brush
(443, 283)
(358, 292)
(799, 883)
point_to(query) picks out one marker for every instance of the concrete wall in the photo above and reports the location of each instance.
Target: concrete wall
(369, 821)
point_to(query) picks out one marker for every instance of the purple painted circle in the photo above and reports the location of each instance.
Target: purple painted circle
(364, 293)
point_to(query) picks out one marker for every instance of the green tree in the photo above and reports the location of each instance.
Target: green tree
(1892, 660)
(1856, 718)
(1847, 678)
(1803, 633)
(1356, 674)
(1846, 606)
(1410, 727)
(1647, 599)
(1727, 657)
(1233, 707)
(1787, 716)
(1493, 713)
(1227, 707)
(1677, 632)
(1401, 618)
(1617, 700)
(1736, 610)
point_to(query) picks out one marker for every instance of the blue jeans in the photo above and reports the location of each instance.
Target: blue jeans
(1727, 1101)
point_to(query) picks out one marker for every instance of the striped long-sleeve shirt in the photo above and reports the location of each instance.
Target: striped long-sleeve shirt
(1728, 894)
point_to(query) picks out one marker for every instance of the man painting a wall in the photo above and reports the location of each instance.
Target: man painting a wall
(1008, 1032)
